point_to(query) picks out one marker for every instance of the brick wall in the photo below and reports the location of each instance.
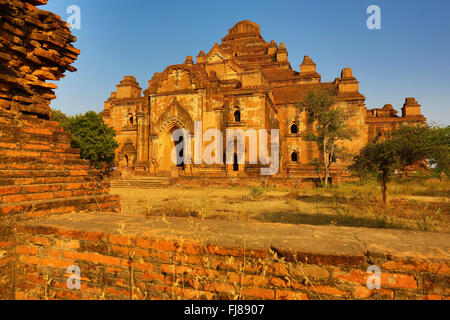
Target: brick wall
(146, 265)
(40, 174)
(7, 257)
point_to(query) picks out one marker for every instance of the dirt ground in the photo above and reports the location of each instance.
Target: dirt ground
(422, 207)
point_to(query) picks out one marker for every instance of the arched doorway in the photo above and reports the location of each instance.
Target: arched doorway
(235, 162)
(180, 156)
(294, 129)
(237, 116)
(171, 141)
(294, 157)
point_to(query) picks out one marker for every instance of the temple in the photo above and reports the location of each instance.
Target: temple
(242, 83)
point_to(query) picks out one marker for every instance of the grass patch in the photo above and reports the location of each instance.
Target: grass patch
(416, 204)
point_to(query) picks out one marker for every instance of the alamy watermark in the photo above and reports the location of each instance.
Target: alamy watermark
(74, 280)
(374, 280)
(374, 20)
(189, 150)
(74, 19)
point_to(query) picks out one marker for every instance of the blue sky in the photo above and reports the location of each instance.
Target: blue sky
(409, 56)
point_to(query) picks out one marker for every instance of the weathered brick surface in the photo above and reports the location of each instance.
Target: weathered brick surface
(35, 46)
(40, 174)
(155, 259)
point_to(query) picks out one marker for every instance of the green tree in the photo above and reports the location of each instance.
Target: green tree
(94, 138)
(378, 159)
(409, 145)
(329, 126)
(61, 118)
(91, 135)
(439, 153)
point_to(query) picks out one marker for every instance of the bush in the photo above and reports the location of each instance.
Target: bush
(91, 135)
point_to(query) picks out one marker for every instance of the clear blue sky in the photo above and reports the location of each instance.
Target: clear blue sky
(408, 57)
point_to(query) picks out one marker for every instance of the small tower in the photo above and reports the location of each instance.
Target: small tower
(307, 66)
(411, 108)
(189, 61)
(347, 82)
(272, 50)
(201, 58)
(282, 53)
(128, 88)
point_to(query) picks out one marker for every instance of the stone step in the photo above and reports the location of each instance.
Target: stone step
(20, 193)
(14, 160)
(46, 180)
(147, 183)
(8, 173)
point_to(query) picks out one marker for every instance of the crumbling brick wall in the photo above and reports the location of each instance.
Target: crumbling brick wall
(139, 262)
(40, 174)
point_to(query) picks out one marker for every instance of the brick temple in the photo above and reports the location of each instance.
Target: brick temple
(243, 83)
(56, 213)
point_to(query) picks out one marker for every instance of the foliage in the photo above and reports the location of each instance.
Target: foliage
(439, 153)
(62, 119)
(91, 135)
(409, 145)
(330, 126)
(380, 159)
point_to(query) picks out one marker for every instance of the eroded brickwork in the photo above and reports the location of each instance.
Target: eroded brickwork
(168, 260)
(40, 174)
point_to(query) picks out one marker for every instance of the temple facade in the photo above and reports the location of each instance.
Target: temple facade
(242, 83)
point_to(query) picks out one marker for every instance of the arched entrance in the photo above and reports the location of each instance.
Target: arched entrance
(170, 142)
(235, 163)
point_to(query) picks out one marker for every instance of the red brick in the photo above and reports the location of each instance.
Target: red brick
(80, 235)
(156, 244)
(355, 276)
(37, 131)
(362, 292)
(290, 295)
(4, 244)
(68, 244)
(8, 145)
(328, 290)
(79, 172)
(117, 293)
(9, 190)
(27, 250)
(145, 266)
(170, 269)
(220, 288)
(40, 241)
(398, 281)
(19, 295)
(36, 146)
(279, 269)
(277, 282)
(51, 253)
(195, 294)
(121, 250)
(188, 259)
(119, 239)
(92, 257)
(152, 276)
(63, 194)
(259, 293)
(253, 280)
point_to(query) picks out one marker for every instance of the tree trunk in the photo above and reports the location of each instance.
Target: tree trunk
(325, 163)
(384, 189)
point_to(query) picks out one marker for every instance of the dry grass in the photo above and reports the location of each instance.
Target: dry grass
(416, 205)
